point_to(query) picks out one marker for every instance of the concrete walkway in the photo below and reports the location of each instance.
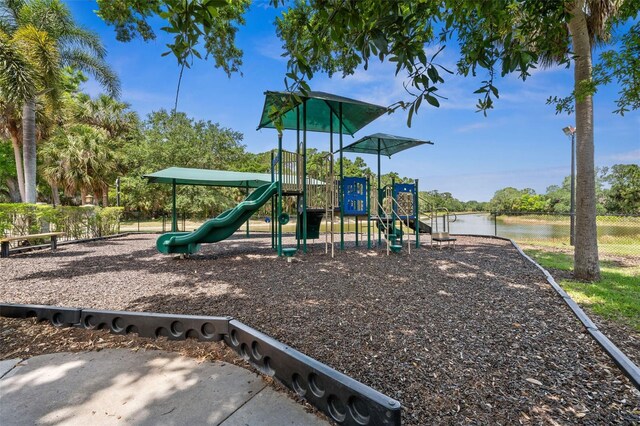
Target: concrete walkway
(143, 388)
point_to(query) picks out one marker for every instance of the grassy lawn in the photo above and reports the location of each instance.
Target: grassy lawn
(616, 297)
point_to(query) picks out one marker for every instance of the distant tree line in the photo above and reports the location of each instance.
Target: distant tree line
(617, 191)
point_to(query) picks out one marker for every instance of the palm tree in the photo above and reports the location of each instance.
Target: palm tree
(78, 159)
(589, 24)
(106, 113)
(119, 123)
(38, 38)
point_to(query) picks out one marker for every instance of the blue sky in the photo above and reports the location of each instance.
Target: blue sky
(519, 144)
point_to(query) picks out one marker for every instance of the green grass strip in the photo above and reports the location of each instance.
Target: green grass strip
(616, 297)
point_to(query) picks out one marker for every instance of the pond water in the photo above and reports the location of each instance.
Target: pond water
(557, 229)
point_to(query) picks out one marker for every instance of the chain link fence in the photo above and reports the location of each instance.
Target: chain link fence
(160, 222)
(618, 235)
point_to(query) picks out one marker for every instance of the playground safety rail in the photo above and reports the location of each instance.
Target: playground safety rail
(386, 225)
(393, 212)
(342, 398)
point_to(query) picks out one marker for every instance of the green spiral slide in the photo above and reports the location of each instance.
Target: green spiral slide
(218, 228)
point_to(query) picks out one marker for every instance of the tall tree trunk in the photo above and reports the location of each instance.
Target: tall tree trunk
(586, 265)
(105, 196)
(83, 196)
(17, 154)
(29, 150)
(14, 190)
(55, 193)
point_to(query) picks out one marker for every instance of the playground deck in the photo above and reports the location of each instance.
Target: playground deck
(474, 335)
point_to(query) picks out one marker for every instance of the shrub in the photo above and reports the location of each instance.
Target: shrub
(75, 222)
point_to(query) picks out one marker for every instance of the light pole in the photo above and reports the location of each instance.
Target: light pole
(571, 132)
(117, 192)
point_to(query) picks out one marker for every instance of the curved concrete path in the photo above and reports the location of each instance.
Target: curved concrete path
(119, 386)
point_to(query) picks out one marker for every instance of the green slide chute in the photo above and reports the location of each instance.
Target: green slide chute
(218, 228)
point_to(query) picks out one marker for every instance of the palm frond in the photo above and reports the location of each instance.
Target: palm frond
(9, 11)
(41, 51)
(599, 12)
(17, 76)
(96, 67)
(82, 38)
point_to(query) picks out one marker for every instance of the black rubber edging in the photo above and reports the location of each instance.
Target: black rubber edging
(26, 249)
(621, 360)
(342, 398)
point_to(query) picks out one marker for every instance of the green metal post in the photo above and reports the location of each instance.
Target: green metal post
(330, 192)
(247, 192)
(341, 192)
(368, 212)
(298, 223)
(279, 194)
(416, 208)
(393, 207)
(273, 208)
(174, 213)
(304, 177)
(379, 189)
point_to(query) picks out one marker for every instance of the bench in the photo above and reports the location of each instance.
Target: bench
(443, 237)
(5, 241)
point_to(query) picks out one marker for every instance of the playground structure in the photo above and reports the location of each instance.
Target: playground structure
(327, 196)
(344, 196)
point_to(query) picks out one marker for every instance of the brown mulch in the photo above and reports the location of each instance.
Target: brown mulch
(471, 335)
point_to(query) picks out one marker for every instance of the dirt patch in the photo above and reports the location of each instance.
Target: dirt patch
(471, 335)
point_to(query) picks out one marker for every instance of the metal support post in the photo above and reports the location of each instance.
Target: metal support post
(416, 209)
(279, 212)
(304, 176)
(341, 192)
(368, 212)
(174, 213)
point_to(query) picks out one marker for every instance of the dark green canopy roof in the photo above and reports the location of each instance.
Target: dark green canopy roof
(186, 176)
(322, 108)
(205, 177)
(380, 143)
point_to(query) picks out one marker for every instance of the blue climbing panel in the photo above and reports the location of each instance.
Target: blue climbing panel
(400, 191)
(355, 195)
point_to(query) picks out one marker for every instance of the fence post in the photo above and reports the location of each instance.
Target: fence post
(138, 217)
(495, 224)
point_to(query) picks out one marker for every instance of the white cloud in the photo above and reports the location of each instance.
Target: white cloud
(270, 47)
(622, 157)
(473, 126)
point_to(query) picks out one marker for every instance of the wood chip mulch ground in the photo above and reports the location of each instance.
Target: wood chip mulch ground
(473, 335)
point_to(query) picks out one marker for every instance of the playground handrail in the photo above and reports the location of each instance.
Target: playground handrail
(393, 212)
(386, 228)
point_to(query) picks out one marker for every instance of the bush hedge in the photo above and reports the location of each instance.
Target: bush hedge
(75, 222)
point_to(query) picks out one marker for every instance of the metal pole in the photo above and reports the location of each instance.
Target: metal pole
(304, 177)
(380, 199)
(298, 221)
(341, 179)
(332, 184)
(247, 192)
(118, 192)
(174, 213)
(279, 212)
(273, 209)
(573, 189)
(417, 214)
(369, 211)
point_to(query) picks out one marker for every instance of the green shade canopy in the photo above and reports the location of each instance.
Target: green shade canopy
(186, 176)
(322, 109)
(383, 144)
